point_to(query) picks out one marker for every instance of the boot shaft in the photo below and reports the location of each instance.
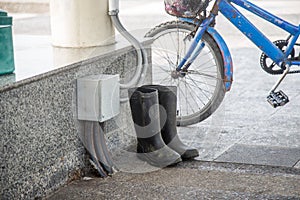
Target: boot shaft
(145, 114)
(168, 113)
(144, 109)
(167, 96)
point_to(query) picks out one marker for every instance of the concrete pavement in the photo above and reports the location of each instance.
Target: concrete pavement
(265, 142)
(191, 180)
(246, 129)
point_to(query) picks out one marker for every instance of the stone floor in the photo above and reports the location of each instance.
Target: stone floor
(263, 142)
(246, 129)
(191, 180)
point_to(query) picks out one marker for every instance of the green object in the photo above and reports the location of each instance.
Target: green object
(6, 44)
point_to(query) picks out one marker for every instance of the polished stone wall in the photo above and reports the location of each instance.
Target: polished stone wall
(40, 146)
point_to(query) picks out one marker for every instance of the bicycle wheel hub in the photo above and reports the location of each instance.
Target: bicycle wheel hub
(177, 74)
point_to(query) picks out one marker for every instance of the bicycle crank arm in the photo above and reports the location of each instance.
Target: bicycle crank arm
(278, 98)
(286, 71)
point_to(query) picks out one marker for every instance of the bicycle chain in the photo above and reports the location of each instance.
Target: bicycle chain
(297, 58)
(294, 72)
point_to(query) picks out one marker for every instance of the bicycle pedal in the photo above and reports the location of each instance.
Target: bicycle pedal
(277, 99)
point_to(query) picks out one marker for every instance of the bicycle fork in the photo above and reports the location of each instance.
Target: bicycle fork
(195, 48)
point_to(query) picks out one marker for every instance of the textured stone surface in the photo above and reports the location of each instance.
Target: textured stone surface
(7, 79)
(298, 165)
(192, 180)
(40, 149)
(262, 155)
(245, 117)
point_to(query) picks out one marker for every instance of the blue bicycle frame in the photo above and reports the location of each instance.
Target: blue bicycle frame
(248, 29)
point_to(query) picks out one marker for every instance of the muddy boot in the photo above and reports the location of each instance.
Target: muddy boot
(168, 102)
(145, 113)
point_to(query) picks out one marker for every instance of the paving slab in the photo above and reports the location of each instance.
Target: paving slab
(244, 120)
(191, 180)
(261, 155)
(245, 117)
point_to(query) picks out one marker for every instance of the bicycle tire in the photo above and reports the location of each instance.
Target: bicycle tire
(207, 91)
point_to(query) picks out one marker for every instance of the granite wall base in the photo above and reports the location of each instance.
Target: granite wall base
(40, 149)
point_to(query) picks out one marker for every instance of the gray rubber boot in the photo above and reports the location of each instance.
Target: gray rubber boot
(145, 113)
(168, 102)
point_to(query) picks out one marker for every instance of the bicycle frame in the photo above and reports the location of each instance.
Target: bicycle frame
(258, 38)
(248, 29)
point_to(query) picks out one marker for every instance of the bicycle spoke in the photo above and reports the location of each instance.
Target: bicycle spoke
(203, 74)
(167, 58)
(201, 87)
(208, 86)
(197, 96)
(166, 78)
(179, 99)
(201, 83)
(203, 64)
(176, 47)
(186, 101)
(202, 90)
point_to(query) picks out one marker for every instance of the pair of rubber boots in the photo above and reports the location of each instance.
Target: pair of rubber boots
(153, 109)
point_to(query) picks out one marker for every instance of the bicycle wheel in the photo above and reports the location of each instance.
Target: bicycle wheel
(201, 90)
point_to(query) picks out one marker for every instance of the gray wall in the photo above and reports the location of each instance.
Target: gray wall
(40, 149)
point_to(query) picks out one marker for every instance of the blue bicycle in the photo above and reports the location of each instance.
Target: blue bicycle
(190, 54)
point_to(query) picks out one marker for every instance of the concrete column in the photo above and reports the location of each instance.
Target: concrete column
(80, 23)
